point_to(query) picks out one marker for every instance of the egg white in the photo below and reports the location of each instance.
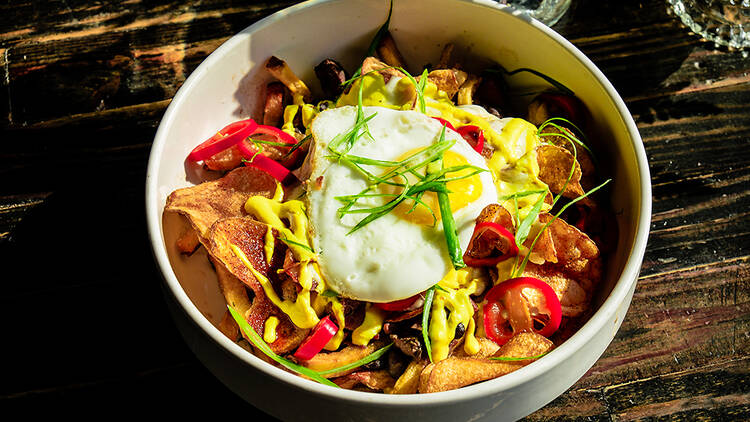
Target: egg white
(390, 258)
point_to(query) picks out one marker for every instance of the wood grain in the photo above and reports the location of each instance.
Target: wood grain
(83, 85)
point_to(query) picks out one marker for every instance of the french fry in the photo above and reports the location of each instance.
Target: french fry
(467, 90)
(445, 57)
(388, 51)
(424, 377)
(374, 380)
(273, 108)
(487, 348)
(408, 382)
(345, 356)
(281, 71)
(456, 372)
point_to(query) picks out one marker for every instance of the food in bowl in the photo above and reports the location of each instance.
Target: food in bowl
(401, 234)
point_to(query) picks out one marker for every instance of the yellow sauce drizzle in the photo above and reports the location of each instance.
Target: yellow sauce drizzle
(370, 327)
(456, 287)
(299, 311)
(269, 330)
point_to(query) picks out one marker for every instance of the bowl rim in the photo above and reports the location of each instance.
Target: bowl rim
(605, 312)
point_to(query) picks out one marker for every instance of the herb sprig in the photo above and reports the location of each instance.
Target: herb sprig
(261, 345)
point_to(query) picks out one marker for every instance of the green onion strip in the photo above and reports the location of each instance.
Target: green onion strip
(261, 345)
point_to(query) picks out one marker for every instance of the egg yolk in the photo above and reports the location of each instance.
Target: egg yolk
(464, 190)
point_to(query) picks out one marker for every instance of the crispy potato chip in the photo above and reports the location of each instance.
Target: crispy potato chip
(577, 272)
(588, 170)
(554, 168)
(249, 236)
(408, 382)
(456, 372)
(497, 214)
(374, 380)
(188, 242)
(208, 202)
(448, 80)
(371, 64)
(345, 356)
(544, 249)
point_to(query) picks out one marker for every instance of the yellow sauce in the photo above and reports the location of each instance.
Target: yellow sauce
(370, 327)
(269, 329)
(453, 296)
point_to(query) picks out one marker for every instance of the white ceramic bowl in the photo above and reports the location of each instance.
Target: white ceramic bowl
(225, 88)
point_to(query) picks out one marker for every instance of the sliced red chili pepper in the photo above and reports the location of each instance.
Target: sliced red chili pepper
(473, 135)
(277, 133)
(231, 134)
(398, 305)
(445, 123)
(521, 304)
(260, 161)
(318, 338)
(490, 243)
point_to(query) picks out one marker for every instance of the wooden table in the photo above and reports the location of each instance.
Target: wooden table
(85, 326)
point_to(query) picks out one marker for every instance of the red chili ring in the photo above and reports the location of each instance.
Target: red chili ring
(473, 135)
(260, 161)
(445, 123)
(498, 229)
(228, 136)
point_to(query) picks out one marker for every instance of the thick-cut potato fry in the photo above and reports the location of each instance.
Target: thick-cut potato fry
(374, 380)
(456, 372)
(487, 348)
(408, 382)
(281, 71)
(345, 356)
(208, 202)
(424, 377)
(388, 51)
(273, 108)
(467, 90)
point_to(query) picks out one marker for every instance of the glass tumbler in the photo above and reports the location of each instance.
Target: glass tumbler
(725, 22)
(547, 12)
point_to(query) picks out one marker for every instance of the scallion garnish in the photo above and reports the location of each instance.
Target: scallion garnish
(364, 361)
(373, 44)
(508, 358)
(426, 310)
(263, 347)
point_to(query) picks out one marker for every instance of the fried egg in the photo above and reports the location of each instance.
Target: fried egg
(403, 252)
